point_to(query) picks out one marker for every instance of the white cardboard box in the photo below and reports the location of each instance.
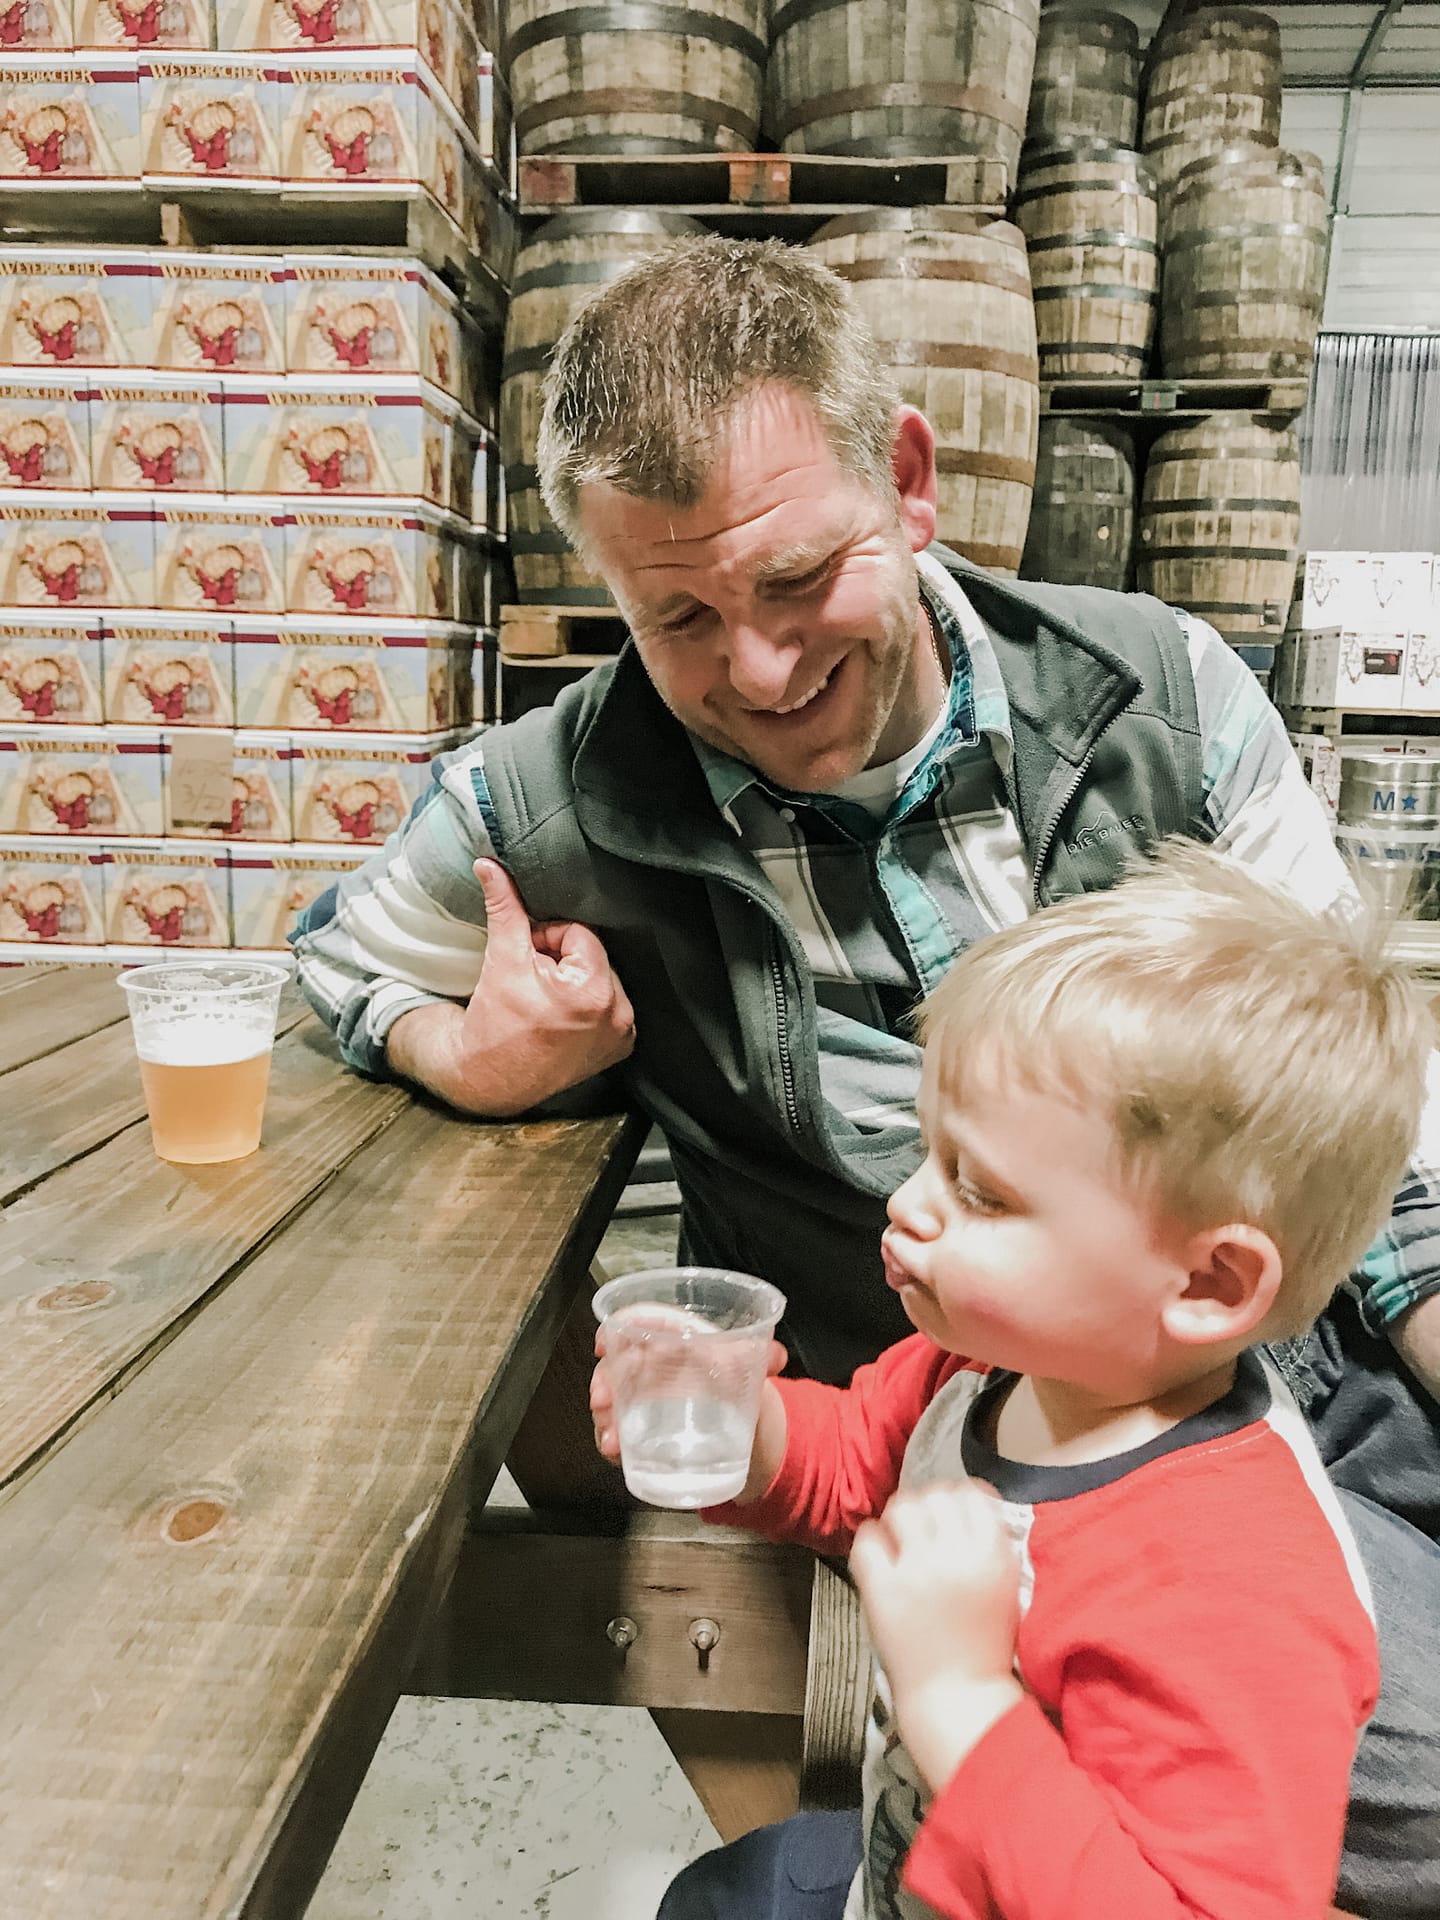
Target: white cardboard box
(1422, 672)
(1399, 592)
(1332, 589)
(1364, 672)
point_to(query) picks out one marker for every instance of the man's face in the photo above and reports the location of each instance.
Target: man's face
(780, 618)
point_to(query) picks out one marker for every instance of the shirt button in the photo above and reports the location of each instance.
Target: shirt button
(787, 814)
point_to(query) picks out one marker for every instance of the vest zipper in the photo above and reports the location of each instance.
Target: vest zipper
(1047, 839)
(782, 1032)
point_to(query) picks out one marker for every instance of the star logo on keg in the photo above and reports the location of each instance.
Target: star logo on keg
(1409, 803)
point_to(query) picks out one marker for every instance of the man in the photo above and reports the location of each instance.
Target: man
(832, 756)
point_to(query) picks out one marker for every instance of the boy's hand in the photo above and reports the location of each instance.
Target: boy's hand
(602, 1400)
(940, 1581)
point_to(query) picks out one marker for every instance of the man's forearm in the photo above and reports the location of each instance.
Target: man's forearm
(1417, 1339)
(425, 1045)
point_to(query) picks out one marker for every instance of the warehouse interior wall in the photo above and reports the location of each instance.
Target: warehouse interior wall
(1385, 242)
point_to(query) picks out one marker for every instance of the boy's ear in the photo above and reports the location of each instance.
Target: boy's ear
(1234, 1275)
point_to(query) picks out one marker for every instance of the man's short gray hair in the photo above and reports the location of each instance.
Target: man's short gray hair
(645, 377)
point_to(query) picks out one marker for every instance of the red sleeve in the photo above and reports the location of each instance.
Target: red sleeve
(843, 1448)
(1211, 1678)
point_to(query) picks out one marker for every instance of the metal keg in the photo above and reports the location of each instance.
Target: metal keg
(1388, 827)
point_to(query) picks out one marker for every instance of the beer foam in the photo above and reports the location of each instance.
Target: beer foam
(202, 1040)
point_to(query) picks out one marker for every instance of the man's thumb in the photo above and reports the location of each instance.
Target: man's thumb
(505, 913)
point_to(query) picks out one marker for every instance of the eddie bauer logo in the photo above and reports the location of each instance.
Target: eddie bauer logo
(1104, 830)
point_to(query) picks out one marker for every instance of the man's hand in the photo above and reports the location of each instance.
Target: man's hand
(940, 1582)
(547, 1012)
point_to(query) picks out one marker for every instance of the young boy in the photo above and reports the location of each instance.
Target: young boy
(1123, 1634)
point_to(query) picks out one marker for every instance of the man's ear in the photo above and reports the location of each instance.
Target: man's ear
(912, 460)
(1234, 1273)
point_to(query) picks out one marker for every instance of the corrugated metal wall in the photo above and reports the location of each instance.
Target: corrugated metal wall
(1385, 246)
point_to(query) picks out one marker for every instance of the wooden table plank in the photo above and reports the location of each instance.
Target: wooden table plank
(12, 976)
(67, 1103)
(184, 1719)
(103, 1263)
(52, 1009)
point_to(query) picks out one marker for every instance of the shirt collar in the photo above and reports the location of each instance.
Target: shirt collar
(977, 702)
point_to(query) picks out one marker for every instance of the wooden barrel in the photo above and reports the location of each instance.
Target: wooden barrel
(1087, 78)
(1220, 522)
(1247, 237)
(1214, 79)
(931, 76)
(639, 76)
(1087, 211)
(946, 295)
(560, 269)
(1082, 518)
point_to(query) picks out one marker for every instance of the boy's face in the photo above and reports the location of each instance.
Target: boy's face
(1017, 1243)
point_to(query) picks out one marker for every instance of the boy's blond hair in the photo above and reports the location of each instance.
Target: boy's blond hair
(646, 376)
(1259, 1063)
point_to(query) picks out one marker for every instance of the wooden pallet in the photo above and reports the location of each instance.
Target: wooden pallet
(1166, 400)
(358, 218)
(734, 189)
(1336, 723)
(536, 635)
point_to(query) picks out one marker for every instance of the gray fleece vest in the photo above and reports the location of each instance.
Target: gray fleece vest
(599, 808)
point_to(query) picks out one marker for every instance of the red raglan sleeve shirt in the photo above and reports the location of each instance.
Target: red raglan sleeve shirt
(1197, 1652)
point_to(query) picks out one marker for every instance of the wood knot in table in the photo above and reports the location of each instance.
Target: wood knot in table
(76, 1297)
(193, 1519)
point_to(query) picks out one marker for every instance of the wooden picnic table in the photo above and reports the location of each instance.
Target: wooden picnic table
(245, 1411)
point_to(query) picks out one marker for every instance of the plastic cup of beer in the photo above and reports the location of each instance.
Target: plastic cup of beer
(204, 1032)
(686, 1349)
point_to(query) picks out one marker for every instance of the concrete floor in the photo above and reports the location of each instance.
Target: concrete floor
(501, 1810)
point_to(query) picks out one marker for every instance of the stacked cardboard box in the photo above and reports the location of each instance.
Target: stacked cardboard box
(1364, 634)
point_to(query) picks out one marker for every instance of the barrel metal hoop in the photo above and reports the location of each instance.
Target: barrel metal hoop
(944, 354)
(1113, 349)
(985, 466)
(1092, 237)
(1161, 455)
(1217, 555)
(908, 267)
(1138, 189)
(1222, 504)
(1223, 607)
(1098, 290)
(1246, 230)
(794, 11)
(1037, 155)
(520, 360)
(569, 273)
(635, 16)
(983, 102)
(617, 100)
(539, 543)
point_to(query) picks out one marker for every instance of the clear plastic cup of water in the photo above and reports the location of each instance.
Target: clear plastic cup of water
(686, 1349)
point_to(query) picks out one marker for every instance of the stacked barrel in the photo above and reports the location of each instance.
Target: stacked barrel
(946, 289)
(250, 497)
(1244, 228)
(1086, 202)
(1170, 236)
